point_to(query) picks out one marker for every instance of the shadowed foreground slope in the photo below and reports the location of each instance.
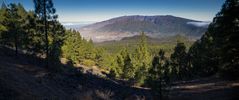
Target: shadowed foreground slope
(20, 78)
(25, 78)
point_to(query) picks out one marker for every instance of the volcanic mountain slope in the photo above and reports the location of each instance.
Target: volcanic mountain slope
(154, 26)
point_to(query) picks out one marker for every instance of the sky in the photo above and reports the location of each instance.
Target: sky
(100, 10)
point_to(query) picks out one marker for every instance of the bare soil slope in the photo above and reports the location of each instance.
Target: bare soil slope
(25, 78)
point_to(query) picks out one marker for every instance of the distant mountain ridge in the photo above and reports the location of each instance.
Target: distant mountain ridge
(153, 26)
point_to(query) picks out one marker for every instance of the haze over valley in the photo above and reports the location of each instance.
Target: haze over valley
(154, 26)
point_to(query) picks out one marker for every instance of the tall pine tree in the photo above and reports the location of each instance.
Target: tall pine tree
(13, 23)
(45, 11)
(218, 47)
(142, 59)
(128, 68)
(158, 75)
(224, 30)
(179, 60)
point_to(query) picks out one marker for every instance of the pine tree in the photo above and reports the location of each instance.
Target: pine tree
(105, 61)
(166, 73)
(158, 75)
(128, 68)
(34, 42)
(13, 23)
(218, 48)
(24, 27)
(142, 54)
(142, 59)
(45, 11)
(71, 47)
(155, 70)
(120, 62)
(224, 30)
(203, 57)
(179, 60)
(3, 28)
(56, 41)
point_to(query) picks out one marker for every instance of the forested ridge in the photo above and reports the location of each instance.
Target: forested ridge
(143, 64)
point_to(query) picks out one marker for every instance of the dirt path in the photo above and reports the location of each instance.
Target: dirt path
(206, 89)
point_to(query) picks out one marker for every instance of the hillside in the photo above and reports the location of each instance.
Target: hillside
(155, 44)
(152, 40)
(153, 26)
(25, 78)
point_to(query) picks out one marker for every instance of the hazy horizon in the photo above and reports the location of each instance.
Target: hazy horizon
(90, 22)
(96, 11)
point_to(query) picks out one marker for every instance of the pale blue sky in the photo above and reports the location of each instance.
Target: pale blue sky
(99, 10)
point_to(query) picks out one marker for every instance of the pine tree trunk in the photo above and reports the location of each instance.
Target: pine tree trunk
(46, 34)
(16, 45)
